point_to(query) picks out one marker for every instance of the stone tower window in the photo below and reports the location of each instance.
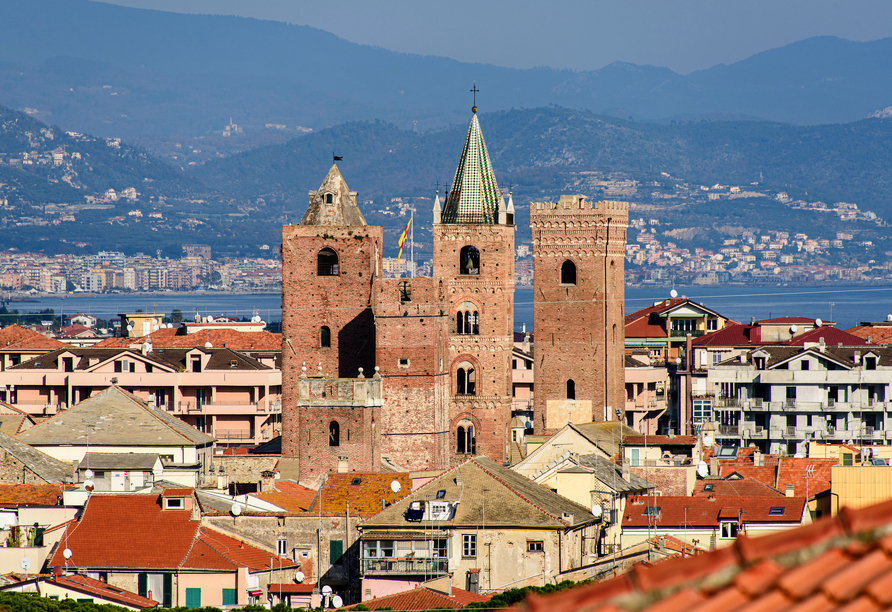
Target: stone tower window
(325, 337)
(465, 379)
(467, 321)
(334, 434)
(327, 263)
(568, 273)
(571, 389)
(329, 198)
(469, 260)
(465, 442)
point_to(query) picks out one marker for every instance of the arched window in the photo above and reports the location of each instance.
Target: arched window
(460, 322)
(469, 260)
(465, 379)
(325, 337)
(467, 319)
(327, 263)
(568, 273)
(465, 442)
(334, 434)
(571, 389)
(329, 198)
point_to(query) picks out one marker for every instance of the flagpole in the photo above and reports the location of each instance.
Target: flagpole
(412, 238)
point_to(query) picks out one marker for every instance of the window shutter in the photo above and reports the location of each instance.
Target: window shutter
(335, 551)
(229, 597)
(167, 597)
(143, 582)
(193, 598)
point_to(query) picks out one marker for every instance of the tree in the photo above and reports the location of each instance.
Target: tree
(176, 316)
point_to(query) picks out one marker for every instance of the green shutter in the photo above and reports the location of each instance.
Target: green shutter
(229, 597)
(193, 598)
(85, 600)
(335, 551)
(142, 580)
(167, 598)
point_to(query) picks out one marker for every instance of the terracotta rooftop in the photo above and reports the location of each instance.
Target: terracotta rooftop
(16, 337)
(178, 338)
(878, 333)
(648, 322)
(839, 563)
(734, 485)
(15, 495)
(831, 336)
(289, 588)
(90, 586)
(364, 496)
(103, 536)
(423, 598)
(291, 496)
(668, 511)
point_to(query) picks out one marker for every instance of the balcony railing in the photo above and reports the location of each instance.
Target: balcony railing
(726, 402)
(407, 566)
(729, 430)
(791, 432)
(233, 434)
(681, 333)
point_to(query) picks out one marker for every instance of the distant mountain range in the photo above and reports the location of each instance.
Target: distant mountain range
(141, 74)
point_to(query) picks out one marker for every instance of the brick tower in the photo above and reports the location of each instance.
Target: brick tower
(474, 259)
(330, 263)
(578, 250)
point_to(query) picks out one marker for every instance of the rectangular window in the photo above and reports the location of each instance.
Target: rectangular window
(791, 393)
(535, 546)
(847, 459)
(469, 546)
(870, 363)
(193, 598)
(68, 363)
(636, 457)
(282, 547)
(149, 368)
(229, 597)
(118, 366)
(702, 411)
(804, 364)
(712, 324)
(336, 551)
(729, 529)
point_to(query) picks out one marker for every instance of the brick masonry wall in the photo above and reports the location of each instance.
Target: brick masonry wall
(668, 480)
(579, 328)
(13, 471)
(356, 445)
(491, 293)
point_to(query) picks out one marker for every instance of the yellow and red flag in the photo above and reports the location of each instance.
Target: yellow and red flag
(403, 239)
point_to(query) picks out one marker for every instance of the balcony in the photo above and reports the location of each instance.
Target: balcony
(233, 434)
(406, 566)
(791, 432)
(756, 432)
(679, 333)
(729, 430)
(727, 402)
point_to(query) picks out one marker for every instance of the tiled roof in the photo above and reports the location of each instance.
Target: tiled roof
(474, 196)
(117, 418)
(16, 337)
(641, 440)
(13, 496)
(731, 335)
(120, 461)
(364, 497)
(291, 496)
(90, 586)
(612, 475)
(680, 511)
(830, 335)
(878, 334)
(48, 468)
(606, 435)
(103, 537)
(341, 211)
(423, 598)
(221, 338)
(839, 563)
(788, 321)
(734, 485)
(511, 500)
(289, 588)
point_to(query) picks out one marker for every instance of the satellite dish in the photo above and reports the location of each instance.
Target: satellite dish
(818, 322)
(210, 319)
(208, 345)
(326, 590)
(793, 329)
(236, 509)
(25, 563)
(89, 485)
(395, 486)
(889, 317)
(707, 440)
(673, 293)
(155, 328)
(130, 327)
(299, 577)
(67, 553)
(336, 601)
(89, 473)
(702, 469)
(597, 511)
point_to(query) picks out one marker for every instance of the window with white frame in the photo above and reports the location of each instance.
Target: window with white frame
(469, 545)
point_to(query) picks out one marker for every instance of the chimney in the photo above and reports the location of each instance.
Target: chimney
(713, 466)
(757, 458)
(752, 320)
(627, 471)
(76, 464)
(267, 481)
(790, 490)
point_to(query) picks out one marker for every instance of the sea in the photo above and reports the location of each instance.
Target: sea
(847, 306)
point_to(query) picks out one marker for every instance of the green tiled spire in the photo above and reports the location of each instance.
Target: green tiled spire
(474, 197)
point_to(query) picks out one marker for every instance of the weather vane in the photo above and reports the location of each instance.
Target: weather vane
(474, 91)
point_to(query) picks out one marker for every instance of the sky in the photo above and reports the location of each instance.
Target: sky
(683, 35)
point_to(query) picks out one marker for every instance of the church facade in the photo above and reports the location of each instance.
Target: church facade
(415, 374)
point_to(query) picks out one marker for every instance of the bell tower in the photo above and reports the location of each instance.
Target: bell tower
(474, 258)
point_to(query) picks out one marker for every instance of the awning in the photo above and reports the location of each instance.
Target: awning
(255, 592)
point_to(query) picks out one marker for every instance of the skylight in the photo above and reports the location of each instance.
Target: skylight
(708, 487)
(356, 481)
(441, 493)
(776, 511)
(652, 511)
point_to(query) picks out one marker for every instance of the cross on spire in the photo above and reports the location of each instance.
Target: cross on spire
(474, 91)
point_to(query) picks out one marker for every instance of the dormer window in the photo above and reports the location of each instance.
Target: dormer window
(174, 503)
(870, 363)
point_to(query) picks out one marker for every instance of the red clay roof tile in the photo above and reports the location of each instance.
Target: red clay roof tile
(98, 588)
(423, 598)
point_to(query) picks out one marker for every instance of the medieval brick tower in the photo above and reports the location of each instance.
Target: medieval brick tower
(578, 250)
(474, 259)
(330, 263)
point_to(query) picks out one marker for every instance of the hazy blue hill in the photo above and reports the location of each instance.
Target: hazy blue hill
(842, 162)
(178, 76)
